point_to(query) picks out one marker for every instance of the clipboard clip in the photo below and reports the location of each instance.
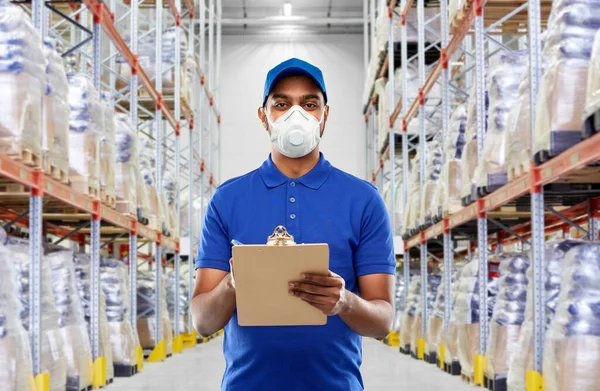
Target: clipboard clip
(280, 237)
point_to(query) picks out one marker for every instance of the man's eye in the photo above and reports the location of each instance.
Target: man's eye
(280, 105)
(311, 105)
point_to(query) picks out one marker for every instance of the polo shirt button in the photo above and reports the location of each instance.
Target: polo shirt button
(293, 184)
(292, 216)
(292, 200)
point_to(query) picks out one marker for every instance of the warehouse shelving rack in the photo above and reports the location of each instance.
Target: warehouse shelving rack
(535, 217)
(51, 206)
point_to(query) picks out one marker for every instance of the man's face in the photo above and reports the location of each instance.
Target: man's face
(294, 91)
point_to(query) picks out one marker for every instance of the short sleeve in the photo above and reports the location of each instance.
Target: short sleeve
(375, 251)
(214, 251)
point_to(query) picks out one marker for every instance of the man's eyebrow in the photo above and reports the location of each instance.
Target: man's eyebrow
(280, 96)
(311, 96)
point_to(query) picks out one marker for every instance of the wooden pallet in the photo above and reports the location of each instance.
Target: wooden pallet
(108, 199)
(56, 173)
(11, 187)
(517, 170)
(84, 186)
(27, 157)
(126, 207)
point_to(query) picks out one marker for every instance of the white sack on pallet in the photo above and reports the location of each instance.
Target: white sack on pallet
(146, 323)
(433, 283)
(504, 78)
(169, 183)
(435, 329)
(52, 359)
(572, 348)
(114, 278)
(552, 278)
(55, 140)
(408, 318)
(22, 82)
(74, 337)
(126, 158)
(86, 123)
(508, 314)
(592, 101)
(450, 339)
(82, 267)
(433, 170)
(413, 206)
(147, 167)
(568, 47)
(107, 148)
(15, 355)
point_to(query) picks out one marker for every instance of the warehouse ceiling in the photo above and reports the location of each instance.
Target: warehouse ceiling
(266, 17)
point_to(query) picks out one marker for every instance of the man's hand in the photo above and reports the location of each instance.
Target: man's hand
(230, 278)
(326, 293)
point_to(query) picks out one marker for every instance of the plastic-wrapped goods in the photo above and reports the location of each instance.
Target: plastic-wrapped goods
(455, 8)
(450, 339)
(413, 205)
(52, 359)
(435, 328)
(408, 318)
(572, 349)
(126, 157)
(184, 305)
(433, 282)
(82, 270)
(169, 183)
(74, 337)
(523, 358)
(518, 134)
(146, 323)
(147, 167)
(592, 101)
(433, 170)
(562, 97)
(107, 150)
(508, 314)
(86, 124)
(15, 356)
(22, 81)
(114, 278)
(467, 312)
(55, 137)
(469, 154)
(504, 79)
(399, 301)
(447, 197)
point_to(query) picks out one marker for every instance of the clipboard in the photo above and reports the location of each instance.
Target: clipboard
(262, 274)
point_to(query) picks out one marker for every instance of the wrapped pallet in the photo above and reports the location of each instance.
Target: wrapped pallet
(591, 113)
(408, 318)
(468, 161)
(435, 326)
(114, 278)
(55, 137)
(523, 358)
(562, 97)
(450, 339)
(433, 170)
(504, 79)
(147, 322)
(82, 269)
(126, 157)
(23, 82)
(107, 153)
(400, 306)
(433, 282)
(572, 348)
(73, 331)
(447, 196)
(15, 356)
(508, 315)
(147, 167)
(184, 305)
(413, 205)
(52, 358)
(86, 124)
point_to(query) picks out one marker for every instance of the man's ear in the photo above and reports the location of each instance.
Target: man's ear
(326, 113)
(262, 116)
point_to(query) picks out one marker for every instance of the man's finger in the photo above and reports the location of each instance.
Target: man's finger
(311, 288)
(323, 308)
(310, 298)
(332, 280)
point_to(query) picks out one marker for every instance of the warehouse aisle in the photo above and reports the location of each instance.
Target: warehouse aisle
(384, 369)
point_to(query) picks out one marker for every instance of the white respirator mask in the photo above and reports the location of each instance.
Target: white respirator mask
(296, 133)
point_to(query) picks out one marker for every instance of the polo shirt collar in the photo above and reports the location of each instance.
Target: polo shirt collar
(313, 179)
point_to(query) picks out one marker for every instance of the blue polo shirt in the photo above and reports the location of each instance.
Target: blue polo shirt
(324, 206)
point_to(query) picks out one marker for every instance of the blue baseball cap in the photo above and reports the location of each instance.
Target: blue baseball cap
(293, 67)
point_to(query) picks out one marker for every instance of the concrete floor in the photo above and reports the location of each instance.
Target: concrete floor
(384, 369)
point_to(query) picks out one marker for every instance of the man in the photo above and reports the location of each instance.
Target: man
(317, 203)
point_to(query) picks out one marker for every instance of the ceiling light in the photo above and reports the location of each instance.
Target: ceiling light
(287, 9)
